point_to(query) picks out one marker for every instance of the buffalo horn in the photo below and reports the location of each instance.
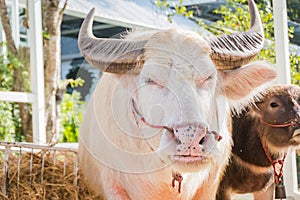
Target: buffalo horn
(110, 54)
(234, 50)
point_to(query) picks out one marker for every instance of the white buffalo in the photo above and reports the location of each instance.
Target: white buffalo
(157, 125)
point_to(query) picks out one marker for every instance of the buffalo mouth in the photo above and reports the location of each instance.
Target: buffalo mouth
(198, 152)
(188, 159)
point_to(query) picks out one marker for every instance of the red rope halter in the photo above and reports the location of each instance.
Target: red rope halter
(292, 123)
(137, 116)
(277, 176)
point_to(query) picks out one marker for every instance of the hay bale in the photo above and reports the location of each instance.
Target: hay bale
(46, 174)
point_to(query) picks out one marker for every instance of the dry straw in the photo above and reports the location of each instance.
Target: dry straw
(29, 171)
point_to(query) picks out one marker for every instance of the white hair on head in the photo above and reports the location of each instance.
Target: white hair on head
(238, 106)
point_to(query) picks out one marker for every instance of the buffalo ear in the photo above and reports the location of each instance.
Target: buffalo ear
(239, 83)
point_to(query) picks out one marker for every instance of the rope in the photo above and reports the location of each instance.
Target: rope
(292, 123)
(138, 117)
(277, 176)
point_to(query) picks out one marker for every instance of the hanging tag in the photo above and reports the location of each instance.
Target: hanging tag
(177, 177)
(280, 192)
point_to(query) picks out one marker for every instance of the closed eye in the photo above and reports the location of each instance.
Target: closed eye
(150, 81)
(210, 77)
(202, 81)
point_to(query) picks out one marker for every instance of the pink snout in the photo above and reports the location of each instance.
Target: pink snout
(190, 138)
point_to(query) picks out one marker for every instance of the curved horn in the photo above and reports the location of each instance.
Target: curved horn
(234, 50)
(110, 55)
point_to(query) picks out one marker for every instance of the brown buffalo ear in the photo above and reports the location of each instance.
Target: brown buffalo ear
(107, 54)
(239, 83)
(235, 50)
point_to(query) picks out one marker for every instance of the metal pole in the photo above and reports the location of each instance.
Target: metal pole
(284, 77)
(281, 41)
(15, 22)
(2, 39)
(37, 71)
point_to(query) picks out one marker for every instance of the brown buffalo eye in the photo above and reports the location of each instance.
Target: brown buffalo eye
(273, 105)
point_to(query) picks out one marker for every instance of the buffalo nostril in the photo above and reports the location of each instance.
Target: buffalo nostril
(177, 141)
(217, 135)
(202, 140)
(219, 138)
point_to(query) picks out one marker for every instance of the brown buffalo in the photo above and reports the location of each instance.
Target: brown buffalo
(262, 134)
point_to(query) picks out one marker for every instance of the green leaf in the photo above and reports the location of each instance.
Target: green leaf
(46, 34)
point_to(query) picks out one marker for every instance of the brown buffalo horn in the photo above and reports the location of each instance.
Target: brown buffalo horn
(110, 55)
(234, 50)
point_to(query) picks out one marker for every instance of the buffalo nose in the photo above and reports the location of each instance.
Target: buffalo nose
(188, 138)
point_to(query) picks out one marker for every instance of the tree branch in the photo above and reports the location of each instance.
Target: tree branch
(7, 28)
(61, 12)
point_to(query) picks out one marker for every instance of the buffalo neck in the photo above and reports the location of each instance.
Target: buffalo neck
(247, 144)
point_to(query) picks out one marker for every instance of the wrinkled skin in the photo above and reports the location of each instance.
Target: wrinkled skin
(250, 170)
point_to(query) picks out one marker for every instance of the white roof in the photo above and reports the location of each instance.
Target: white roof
(130, 13)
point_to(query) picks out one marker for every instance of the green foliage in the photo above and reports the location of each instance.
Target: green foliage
(76, 83)
(183, 11)
(179, 9)
(6, 74)
(293, 10)
(162, 4)
(10, 122)
(295, 71)
(236, 18)
(71, 109)
(46, 35)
